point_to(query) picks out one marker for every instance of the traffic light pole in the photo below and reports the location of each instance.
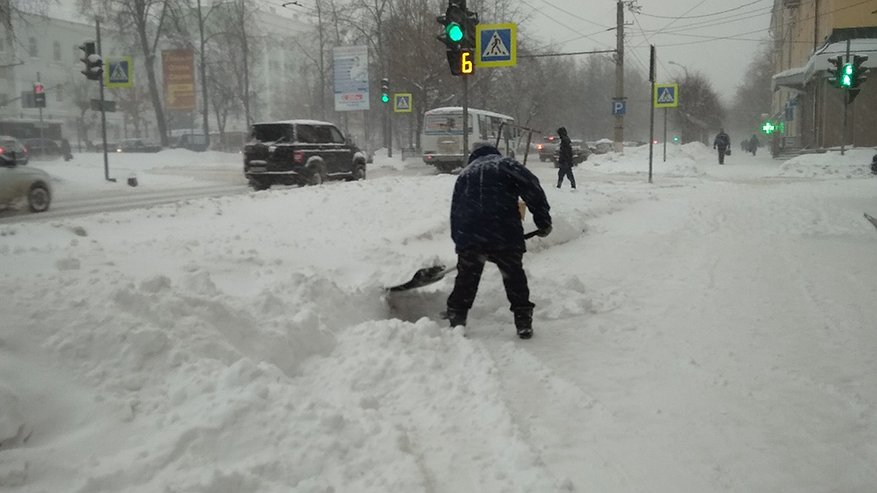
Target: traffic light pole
(41, 121)
(843, 138)
(103, 114)
(465, 119)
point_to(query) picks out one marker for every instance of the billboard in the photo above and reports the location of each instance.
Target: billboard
(350, 64)
(178, 67)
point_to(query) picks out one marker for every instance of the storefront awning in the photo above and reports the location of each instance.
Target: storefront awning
(792, 78)
(818, 63)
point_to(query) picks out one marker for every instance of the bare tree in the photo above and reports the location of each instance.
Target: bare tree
(15, 11)
(700, 112)
(753, 95)
(148, 23)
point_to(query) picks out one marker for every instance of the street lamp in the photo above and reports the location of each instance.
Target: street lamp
(680, 65)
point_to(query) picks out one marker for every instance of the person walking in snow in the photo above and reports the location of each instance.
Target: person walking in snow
(722, 142)
(753, 144)
(565, 159)
(486, 226)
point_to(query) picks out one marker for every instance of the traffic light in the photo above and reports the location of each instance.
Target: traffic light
(39, 95)
(385, 90)
(469, 30)
(94, 64)
(860, 75)
(845, 79)
(835, 70)
(453, 35)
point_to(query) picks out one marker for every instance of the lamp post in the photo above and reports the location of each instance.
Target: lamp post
(680, 65)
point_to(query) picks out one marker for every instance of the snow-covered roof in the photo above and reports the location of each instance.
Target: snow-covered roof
(793, 77)
(459, 109)
(297, 122)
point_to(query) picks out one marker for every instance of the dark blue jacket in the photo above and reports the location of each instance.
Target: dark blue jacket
(484, 208)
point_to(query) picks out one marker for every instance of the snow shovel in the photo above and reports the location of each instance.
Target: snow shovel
(871, 219)
(436, 273)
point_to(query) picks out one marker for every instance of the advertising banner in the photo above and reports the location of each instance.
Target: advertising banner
(178, 67)
(350, 64)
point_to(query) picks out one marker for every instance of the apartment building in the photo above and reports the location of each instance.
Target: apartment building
(813, 112)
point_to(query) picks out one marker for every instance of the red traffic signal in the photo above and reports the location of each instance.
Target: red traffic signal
(39, 95)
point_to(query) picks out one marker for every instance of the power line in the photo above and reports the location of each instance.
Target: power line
(701, 16)
(567, 12)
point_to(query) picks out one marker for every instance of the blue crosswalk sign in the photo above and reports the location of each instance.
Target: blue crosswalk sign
(496, 45)
(118, 73)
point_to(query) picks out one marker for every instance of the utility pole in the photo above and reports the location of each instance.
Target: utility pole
(204, 101)
(619, 75)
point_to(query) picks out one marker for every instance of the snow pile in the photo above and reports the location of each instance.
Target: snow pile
(682, 161)
(856, 162)
(695, 334)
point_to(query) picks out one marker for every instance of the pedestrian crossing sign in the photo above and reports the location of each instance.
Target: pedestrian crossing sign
(496, 45)
(118, 73)
(666, 95)
(402, 102)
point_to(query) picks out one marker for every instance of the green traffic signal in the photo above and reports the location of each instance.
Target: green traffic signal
(385, 98)
(846, 77)
(454, 32)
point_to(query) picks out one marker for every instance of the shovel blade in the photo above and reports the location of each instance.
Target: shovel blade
(423, 277)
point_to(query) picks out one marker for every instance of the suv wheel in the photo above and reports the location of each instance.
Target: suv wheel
(358, 172)
(317, 176)
(257, 184)
(38, 198)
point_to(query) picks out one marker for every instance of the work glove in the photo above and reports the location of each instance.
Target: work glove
(543, 232)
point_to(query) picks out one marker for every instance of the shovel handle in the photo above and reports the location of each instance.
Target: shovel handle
(531, 234)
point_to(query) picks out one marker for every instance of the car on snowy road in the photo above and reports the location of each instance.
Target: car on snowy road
(13, 151)
(300, 152)
(24, 184)
(137, 145)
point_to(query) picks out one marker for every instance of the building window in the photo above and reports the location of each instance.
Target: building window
(57, 48)
(1, 43)
(32, 47)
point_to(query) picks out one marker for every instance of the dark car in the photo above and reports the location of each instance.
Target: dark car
(43, 148)
(137, 145)
(193, 142)
(580, 152)
(547, 147)
(300, 152)
(13, 151)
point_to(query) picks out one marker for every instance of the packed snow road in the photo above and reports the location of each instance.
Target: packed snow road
(712, 331)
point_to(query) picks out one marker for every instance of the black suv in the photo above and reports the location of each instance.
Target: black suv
(300, 152)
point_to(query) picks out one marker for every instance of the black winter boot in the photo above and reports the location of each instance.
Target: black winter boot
(524, 322)
(456, 317)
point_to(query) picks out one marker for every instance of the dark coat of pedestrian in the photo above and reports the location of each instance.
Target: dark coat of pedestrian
(65, 150)
(753, 144)
(486, 226)
(722, 143)
(565, 159)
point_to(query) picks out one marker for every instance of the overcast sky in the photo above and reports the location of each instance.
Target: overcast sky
(714, 37)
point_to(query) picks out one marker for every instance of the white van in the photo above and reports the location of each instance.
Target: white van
(442, 137)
